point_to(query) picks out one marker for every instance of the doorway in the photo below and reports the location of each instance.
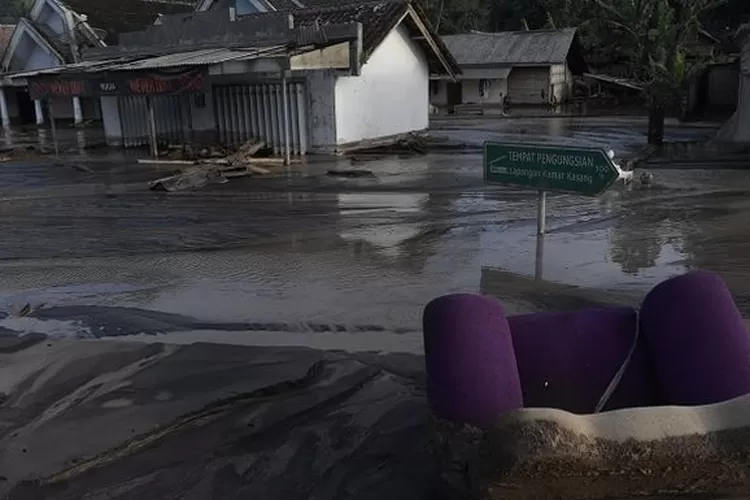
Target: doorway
(26, 112)
(454, 94)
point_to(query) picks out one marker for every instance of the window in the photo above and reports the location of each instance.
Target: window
(484, 88)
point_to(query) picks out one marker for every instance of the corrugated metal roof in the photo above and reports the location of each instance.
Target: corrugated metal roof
(511, 47)
(183, 59)
(204, 57)
(82, 66)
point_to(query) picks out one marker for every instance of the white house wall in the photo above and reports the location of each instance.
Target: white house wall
(321, 90)
(391, 96)
(561, 82)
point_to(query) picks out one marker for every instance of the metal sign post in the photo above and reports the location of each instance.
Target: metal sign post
(581, 171)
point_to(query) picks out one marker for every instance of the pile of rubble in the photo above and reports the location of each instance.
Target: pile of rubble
(211, 166)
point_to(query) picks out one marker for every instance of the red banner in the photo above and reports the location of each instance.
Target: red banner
(141, 83)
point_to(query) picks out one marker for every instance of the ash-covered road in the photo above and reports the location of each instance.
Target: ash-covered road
(359, 255)
(308, 260)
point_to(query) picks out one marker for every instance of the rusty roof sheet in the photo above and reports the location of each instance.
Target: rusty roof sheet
(195, 58)
(6, 33)
(511, 47)
(123, 16)
(181, 60)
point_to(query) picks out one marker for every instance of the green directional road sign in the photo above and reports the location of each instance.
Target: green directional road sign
(582, 171)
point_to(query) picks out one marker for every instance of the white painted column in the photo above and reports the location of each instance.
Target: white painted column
(38, 112)
(77, 111)
(4, 116)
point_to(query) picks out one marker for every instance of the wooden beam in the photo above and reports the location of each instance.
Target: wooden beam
(431, 42)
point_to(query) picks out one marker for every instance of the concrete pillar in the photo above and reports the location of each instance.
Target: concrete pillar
(38, 112)
(77, 111)
(4, 116)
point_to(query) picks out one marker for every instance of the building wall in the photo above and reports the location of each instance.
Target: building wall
(561, 83)
(39, 58)
(52, 18)
(321, 91)
(391, 96)
(737, 128)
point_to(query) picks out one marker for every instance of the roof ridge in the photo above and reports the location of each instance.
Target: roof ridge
(514, 32)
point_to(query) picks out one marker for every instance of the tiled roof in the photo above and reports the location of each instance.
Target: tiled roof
(511, 47)
(6, 33)
(377, 18)
(122, 16)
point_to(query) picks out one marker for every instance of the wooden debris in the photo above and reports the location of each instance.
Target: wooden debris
(259, 170)
(82, 168)
(190, 179)
(246, 152)
(411, 143)
(146, 161)
(214, 166)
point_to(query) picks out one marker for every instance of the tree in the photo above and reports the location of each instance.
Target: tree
(655, 37)
(456, 16)
(12, 10)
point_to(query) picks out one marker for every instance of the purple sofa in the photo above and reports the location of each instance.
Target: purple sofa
(688, 346)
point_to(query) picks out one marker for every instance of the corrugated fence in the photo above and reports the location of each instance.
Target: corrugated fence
(242, 113)
(256, 111)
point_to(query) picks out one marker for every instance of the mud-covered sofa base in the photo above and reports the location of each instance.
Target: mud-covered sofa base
(552, 454)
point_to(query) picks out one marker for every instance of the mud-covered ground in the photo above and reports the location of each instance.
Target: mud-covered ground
(315, 250)
(307, 259)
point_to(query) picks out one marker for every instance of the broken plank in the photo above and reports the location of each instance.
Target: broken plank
(271, 161)
(232, 174)
(217, 161)
(145, 161)
(259, 170)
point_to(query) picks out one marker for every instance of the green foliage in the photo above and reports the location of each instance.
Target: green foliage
(457, 16)
(656, 36)
(12, 10)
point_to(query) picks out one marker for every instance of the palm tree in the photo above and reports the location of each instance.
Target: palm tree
(655, 35)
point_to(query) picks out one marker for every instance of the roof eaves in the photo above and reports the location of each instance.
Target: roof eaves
(24, 24)
(436, 43)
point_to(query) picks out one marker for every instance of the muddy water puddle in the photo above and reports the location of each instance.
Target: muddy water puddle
(313, 248)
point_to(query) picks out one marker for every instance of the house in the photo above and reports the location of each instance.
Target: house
(737, 128)
(527, 67)
(54, 34)
(311, 79)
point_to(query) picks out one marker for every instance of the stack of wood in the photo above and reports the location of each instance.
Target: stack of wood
(241, 163)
